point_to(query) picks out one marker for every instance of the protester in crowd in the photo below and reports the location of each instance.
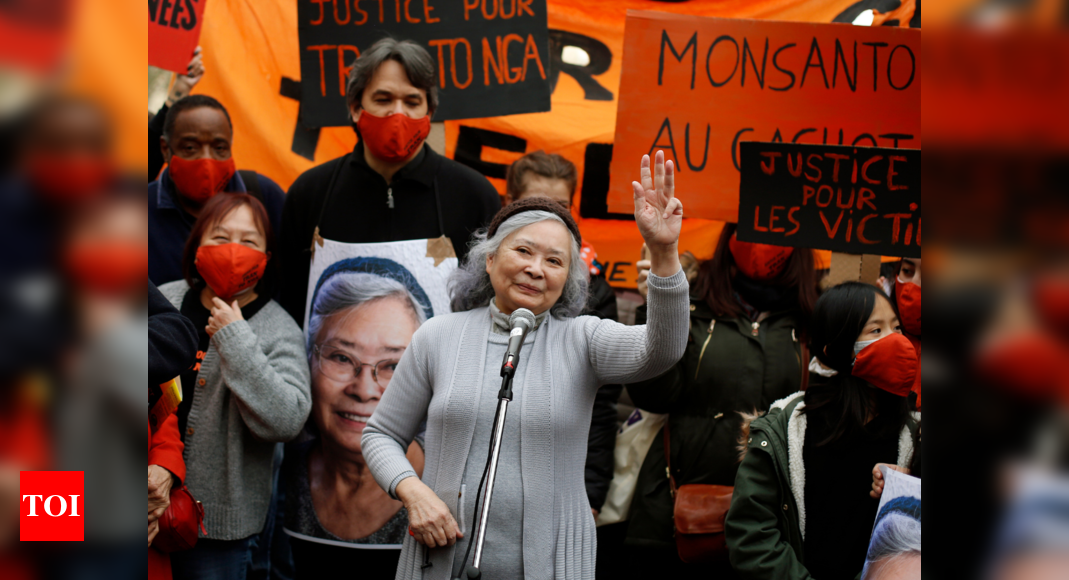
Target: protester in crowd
(172, 348)
(249, 387)
(362, 319)
(196, 144)
(181, 87)
(540, 174)
(102, 396)
(801, 506)
(907, 293)
(540, 516)
(749, 315)
(391, 187)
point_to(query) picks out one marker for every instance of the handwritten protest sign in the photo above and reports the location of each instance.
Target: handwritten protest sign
(173, 30)
(492, 55)
(697, 87)
(859, 200)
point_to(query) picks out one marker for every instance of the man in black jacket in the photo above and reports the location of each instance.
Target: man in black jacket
(391, 187)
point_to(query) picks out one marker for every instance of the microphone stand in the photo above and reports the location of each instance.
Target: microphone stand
(504, 396)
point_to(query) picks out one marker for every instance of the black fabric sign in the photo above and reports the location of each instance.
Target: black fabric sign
(858, 200)
(492, 56)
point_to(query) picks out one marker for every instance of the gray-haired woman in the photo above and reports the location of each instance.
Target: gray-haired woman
(540, 524)
(363, 315)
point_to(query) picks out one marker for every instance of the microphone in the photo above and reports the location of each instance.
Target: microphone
(521, 321)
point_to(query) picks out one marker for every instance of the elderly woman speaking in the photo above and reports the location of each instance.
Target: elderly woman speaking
(539, 522)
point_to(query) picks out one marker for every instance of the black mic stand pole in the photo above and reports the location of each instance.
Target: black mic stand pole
(504, 396)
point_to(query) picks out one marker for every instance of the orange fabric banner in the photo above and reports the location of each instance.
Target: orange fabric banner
(251, 55)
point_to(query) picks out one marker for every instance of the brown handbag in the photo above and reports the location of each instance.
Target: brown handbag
(699, 515)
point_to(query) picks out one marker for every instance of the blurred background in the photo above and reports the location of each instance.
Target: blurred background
(996, 172)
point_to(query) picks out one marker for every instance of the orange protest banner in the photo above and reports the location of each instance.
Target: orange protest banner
(696, 87)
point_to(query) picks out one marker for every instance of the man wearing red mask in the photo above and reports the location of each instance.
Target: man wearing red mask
(907, 297)
(196, 145)
(391, 187)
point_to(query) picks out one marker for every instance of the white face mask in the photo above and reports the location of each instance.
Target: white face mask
(860, 345)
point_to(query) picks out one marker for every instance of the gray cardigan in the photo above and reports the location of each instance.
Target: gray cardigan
(440, 378)
(252, 391)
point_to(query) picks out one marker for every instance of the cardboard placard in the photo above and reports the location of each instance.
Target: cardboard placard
(697, 87)
(492, 55)
(173, 32)
(858, 200)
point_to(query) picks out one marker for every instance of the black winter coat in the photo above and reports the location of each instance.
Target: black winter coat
(730, 367)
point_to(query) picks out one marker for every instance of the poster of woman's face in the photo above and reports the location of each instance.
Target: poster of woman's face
(360, 326)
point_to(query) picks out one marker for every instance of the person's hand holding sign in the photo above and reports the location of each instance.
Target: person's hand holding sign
(659, 214)
(183, 84)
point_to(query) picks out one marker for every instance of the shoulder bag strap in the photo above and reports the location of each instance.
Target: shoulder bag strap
(668, 460)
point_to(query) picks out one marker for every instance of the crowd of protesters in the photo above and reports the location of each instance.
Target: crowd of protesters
(778, 371)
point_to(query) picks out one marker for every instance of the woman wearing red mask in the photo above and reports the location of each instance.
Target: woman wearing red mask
(249, 387)
(906, 290)
(749, 309)
(801, 506)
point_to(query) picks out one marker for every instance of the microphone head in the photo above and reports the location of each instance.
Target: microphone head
(522, 317)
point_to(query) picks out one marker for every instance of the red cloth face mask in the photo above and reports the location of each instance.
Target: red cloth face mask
(199, 179)
(889, 363)
(67, 178)
(107, 267)
(395, 137)
(760, 262)
(908, 296)
(230, 269)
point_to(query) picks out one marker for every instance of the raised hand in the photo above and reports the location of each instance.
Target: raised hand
(658, 213)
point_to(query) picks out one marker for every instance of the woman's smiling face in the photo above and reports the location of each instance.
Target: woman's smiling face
(344, 396)
(530, 268)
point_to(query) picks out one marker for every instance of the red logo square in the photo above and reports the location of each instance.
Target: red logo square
(51, 506)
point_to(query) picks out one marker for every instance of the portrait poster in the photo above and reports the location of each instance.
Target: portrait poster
(365, 303)
(895, 544)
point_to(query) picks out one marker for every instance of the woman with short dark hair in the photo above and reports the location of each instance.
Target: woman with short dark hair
(248, 389)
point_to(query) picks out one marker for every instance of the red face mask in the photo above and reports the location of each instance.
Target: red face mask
(67, 178)
(107, 267)
(199, 179)
(230, 269)
(889, 363)
(760, 262)
(395, 137)
(908, 296)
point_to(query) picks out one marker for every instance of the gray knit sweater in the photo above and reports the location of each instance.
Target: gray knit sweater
(441, 378)
(252, 391)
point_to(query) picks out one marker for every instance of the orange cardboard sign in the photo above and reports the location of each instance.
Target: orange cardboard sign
(696, 87)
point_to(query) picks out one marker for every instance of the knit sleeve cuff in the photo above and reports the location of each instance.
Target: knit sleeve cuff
(668, 283)
(400, 477)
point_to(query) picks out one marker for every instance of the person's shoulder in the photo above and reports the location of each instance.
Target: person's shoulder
(315, 180)
(153, 193)
(174, 292)
(466, 177)
(442, 325)
(281, 323)
(269, 187)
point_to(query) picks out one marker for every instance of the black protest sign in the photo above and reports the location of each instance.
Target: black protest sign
(491, 56)
(858, 200)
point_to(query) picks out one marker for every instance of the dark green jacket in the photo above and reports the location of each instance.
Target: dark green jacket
(726, 370)
(765, 525)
